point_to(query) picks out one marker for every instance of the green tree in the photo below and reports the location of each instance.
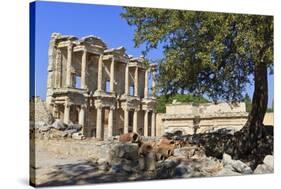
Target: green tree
(163, 100)
(212, 54)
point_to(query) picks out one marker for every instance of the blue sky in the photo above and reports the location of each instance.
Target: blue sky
(85, 19)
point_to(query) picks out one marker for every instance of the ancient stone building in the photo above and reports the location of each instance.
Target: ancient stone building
(201, 118)
(104, 90)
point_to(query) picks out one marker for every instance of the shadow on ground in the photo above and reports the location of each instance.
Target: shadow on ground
(85, 172)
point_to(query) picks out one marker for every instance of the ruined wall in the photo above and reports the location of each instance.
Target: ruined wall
(159, 124)
(206, 108)
(92, 72)
(39, 112)
(268, 119)
(181, 117)
(208, 117)
(120, 78)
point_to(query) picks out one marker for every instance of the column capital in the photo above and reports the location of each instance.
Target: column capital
(136, 110)
(112, 107)
(70, 46)
(67, 103)
(101, 57)
(98, 105)
(83, 106)
(126, 108)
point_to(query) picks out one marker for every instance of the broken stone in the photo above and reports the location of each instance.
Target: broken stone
(269, 161)
(226, 159)
(77, 136)
(44, 128)
(130, 137)
(241, 167)
(124, 151)
(40, 124)
(104, 166)
(58, 124)
(150, 161)
(227, 171)
(75, 127)
(183, 170)
(263, 169)
(70, 132)
(237, 165)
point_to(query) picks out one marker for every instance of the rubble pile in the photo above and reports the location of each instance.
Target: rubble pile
(59, 130)
(134, 157)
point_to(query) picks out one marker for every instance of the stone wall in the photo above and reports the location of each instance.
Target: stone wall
(209, 117)
(159, 124)
(268, 119)
(38, 112)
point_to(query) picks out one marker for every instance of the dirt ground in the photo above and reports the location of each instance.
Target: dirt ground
(54, 169)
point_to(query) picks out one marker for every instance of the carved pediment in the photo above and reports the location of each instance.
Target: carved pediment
(92, 40)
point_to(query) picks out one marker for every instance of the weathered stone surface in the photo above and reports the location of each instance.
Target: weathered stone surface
(72, 126)
(241, 167)
(70, 132)
(40, 124)
(70, 103)
(263, 169)
(269, 161)
(58, 124)
(39, 113)
(186, 152)
(231, 117)
(228, 171)
(77, 136)
(150, 161)
(44, 128)
(226, 159)
(266, 167)
(236, 165)
(124, 151)
(183, 170)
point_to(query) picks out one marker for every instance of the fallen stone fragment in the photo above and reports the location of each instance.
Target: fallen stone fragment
(78, 136)
(76, 127)
(269, 161)
(263, 169)
(58, 124)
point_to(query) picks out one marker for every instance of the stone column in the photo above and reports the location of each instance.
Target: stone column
(110, 121)
(135, 123)
(112, 75)
(66, 112)
(146, 123)
(58, 79)
(55, 111)
(100, 73)
(82, 115)
(146, 84)
(99, 134)
(127, 80)
(126, 120)
(153, 84)
(153, 128)
(136, 82)
(68, 66)
(84, 70)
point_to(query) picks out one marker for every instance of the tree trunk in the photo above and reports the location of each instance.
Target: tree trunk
(254, 124)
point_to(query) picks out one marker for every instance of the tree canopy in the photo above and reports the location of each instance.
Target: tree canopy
(183, 98)
(204, 52)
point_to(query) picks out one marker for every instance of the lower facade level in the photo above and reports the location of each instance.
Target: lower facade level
(103, 115)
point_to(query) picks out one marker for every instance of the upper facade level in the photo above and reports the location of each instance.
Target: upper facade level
(87, 65)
